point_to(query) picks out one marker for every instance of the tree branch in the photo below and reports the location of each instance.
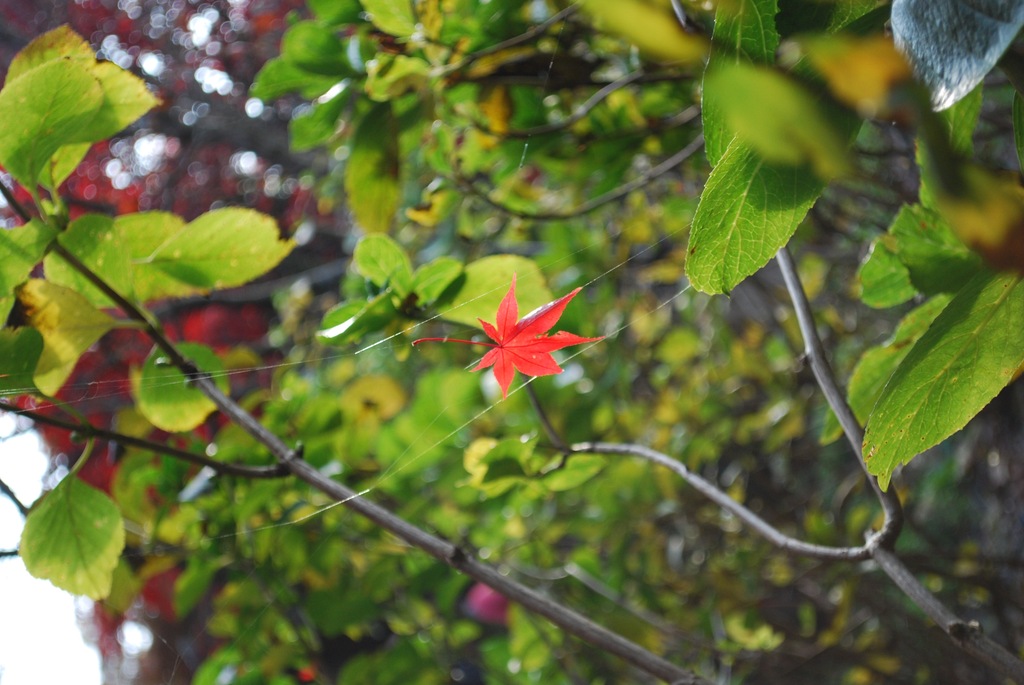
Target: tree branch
(966, 634)
(89, 430)
(564, 617)
(6, 490)
(712, 492)
(597, 202)
(825, 377)
(13, 203)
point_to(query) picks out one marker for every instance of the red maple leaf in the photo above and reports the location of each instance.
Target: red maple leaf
(522, 345)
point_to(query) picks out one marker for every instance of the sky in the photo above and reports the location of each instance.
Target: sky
(40, 641)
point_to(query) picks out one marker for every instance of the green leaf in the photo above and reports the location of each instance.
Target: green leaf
(651, 26)
(315, 49)
(390, 76)
(220, 249)
(319, 123)
(51, 46)
(959, 122)
(49, 106)
(381, 261)
(748, 210)
(124, 96)
(350, 321)
(20, 349)
(336, 12)
(578, 470)
(487, 281)
(744, 29)
(778, 118)
(333, 610)
(392, 16)
(151, 255)
(970, 353)
(495, 466)
(936, 260)
(432, 279)
(193, 583)
(69, 326)
(62, 164)
(73, 538)
(878, 363)
(165, 396)
(125, 99)
(372, 171)
(279, 77)
(21, 249)
(93, 239)
(884, 280)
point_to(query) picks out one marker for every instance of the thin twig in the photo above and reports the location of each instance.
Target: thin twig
(524, 37)
(6, 490)
(545, 422)
(14, 204)
(8, 553)
(89, 430)
(825, 377)
(577, 114)
(597, 202)
(759, 525)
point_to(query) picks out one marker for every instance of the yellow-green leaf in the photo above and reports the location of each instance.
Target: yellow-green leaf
(69, 326)
(372, 171)
(165, 396)
(392, 16)
(43, 109)
(487, 281)
(744, 30)
(21, 249)
(73, 538)
(651, 26)
(779, 118)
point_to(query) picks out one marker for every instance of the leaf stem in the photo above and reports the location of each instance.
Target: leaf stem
(454, 340)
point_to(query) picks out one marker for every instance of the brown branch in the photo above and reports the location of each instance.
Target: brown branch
(454, 556)
(825, 377)
(446, 552)
(89, 430)
(14, 204)
(966, 634)
(766, 530)
(599, 201)
(6, 490)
